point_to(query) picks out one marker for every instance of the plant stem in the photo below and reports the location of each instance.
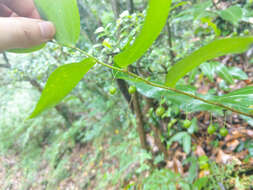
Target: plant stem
(160, 85)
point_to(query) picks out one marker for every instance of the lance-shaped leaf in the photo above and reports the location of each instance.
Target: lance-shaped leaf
(27, 50)
(157, 14)
(232, 14)
(214, 49)
(65, 16)
(60, 83)
(241, 99)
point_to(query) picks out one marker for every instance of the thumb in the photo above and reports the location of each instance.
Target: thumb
(17, 32)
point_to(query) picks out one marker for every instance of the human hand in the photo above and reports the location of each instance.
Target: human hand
(21, 26)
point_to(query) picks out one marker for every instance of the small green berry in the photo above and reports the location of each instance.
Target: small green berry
(187, 123)
(204, 166)
(203, 158)
(246, 32)
(160, 111)
(203, 162)
(211, 129)
(223, 132)
(234, 34)
(112, 90)
(132, 89)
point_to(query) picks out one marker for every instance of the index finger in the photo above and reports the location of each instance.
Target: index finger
(24, 8)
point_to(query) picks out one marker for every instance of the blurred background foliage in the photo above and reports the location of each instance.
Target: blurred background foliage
(91, 140)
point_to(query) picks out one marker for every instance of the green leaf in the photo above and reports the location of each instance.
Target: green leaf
(208, 69)
(227, 73)
(194, 126)
(60, 83)
(200, 183)
(177, 137)
(156, 18)
(232, 14)
(214, 49)
(172, 186)
(238, 73)
(240, 99)
(180, 4)
(187, 143)
(185, 186)
(28, 50)
(65, 16)
(193, 170)
(199, 10)
(223, 72)
(212, 25)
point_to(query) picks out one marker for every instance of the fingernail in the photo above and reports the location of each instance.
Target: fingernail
(47, 30)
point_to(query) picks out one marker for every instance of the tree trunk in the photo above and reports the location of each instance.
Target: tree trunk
(115, 8)
(130, 6)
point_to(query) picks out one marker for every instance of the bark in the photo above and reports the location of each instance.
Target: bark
(130, 6)
(158, 142)
(140, 122)
(123, 87)
(115, 8)
(172, 54)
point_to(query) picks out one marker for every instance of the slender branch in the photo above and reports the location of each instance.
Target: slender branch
(172, 56)
(160, 85)
(5, 66)
(215, 5)
(7, 63)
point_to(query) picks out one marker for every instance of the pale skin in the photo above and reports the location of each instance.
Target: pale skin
(21, 25)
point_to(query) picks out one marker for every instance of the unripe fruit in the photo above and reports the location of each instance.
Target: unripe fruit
(112, 90)
(234, 34)
(160, 111)
(187, 123)
(246, 32)
(132, 89)
(211, 129)
(223, 132)
(204, 166)
(203, 162)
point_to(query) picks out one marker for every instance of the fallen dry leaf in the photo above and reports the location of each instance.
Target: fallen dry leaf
(177, 166)
(204, 173)
(199, 151)
(224, 158)
(233, 144)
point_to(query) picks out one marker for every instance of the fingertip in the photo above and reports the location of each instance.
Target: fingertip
(24, 33)
(47, 30)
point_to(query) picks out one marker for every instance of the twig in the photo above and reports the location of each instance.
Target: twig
(215, 5)
(160, 85)
(7, 63)
(172, 56)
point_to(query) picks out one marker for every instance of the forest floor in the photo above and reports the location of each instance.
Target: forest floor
(80, 176)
